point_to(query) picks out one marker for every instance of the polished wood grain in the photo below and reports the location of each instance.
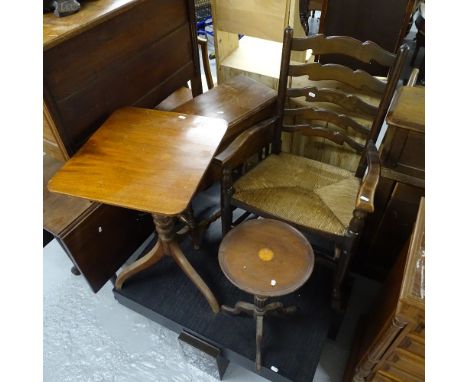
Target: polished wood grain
(100, 66)
(241, 102)
(366, 194)
(142, 159)
(408, 109)
(59, 212)
(56, 29)
(288, 264)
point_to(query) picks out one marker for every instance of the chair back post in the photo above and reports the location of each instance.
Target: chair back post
(282, 86)
(393, 78)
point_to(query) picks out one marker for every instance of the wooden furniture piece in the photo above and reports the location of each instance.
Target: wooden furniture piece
(92, 66)
(241, 102)
(260, 24)
(390, 346)
(402, 183)
(150, 161)
(330, 202)
(184, 94)
(381, 21)
(360, 113)
(266, 258)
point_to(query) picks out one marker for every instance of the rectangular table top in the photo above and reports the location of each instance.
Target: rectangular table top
(146, 160)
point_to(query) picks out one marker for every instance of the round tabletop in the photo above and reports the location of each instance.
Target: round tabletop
(266, 257)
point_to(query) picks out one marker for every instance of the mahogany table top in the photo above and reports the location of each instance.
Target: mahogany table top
(142, 159)
(266, 257)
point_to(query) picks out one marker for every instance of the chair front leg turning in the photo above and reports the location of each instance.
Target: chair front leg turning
(352, 236)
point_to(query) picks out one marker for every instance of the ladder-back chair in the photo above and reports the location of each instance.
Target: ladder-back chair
(329, 202)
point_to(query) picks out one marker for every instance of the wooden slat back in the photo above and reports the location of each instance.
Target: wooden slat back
(347, 101)
(366, 52)
(264, 19)
(318, 119)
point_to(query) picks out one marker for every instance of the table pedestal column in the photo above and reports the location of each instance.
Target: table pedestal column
(167, 245)
(258, 309)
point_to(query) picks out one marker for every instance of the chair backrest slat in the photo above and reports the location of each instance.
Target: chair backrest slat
(347, 101)
(358, 79)
(358, 101)
(341, 120)
(331, 134)
(366, 52)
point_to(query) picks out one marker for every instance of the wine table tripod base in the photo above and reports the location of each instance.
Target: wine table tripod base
(266, 258)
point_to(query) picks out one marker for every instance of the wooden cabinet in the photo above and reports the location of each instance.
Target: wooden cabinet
(261, 24)
(401, 184)
(391, 347)
(112, 53)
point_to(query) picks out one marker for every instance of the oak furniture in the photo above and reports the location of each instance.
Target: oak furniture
(112, 53)
(266, 258)
(146, 160)
(329, 202)
(391, 344)
(402, 182)
(248, 37)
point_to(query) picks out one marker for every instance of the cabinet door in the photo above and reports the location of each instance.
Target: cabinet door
(102, 241)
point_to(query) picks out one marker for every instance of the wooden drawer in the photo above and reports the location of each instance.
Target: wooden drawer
(382, 376)
(402, 363)
(101, 242)
(413, 344)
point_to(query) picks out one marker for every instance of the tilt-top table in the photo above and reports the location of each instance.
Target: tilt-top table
(150, 161)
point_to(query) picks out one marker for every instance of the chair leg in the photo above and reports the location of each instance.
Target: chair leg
(226, 193)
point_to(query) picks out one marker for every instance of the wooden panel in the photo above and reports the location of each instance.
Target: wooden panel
(400, 375)
(103, 241)
(408, 362)
(68, 68)
(413, 344)
(264, 19)
(58, 29)
(127, 84)
(60, 211)
(382, 376)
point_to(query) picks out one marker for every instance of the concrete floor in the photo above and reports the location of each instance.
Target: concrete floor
(91, 337)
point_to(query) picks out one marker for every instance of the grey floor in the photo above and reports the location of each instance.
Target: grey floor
(91, 337)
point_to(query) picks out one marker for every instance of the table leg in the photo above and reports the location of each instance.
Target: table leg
(182, 261)
(151, 258)
(167, 245)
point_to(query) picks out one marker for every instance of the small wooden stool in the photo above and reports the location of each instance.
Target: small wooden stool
(266, 258)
